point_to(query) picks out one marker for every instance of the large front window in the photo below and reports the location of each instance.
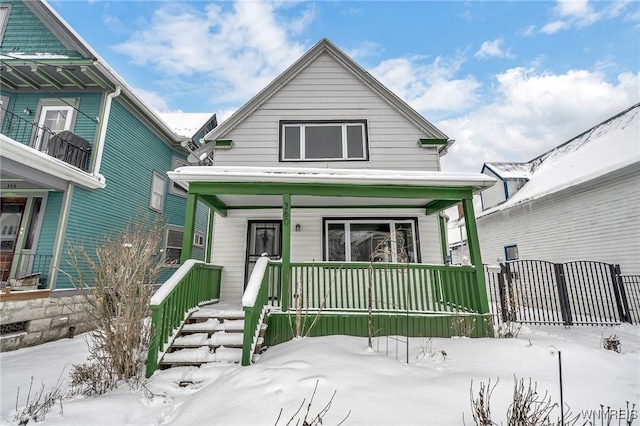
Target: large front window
(321, 141)
(366, 240)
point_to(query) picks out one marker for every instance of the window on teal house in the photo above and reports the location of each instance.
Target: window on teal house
(365, 240)
(5, 11)
(174, 188)
(156, 202)
(323, 141)
(173, 245)
(55, 115)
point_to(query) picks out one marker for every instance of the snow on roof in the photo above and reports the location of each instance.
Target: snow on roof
(186, 123)
(511, 170)
(20, 55)
(607, 147)
(322, 175)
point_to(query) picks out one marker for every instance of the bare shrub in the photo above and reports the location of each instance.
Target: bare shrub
(463, 326)
(116, 281)
(612, 343)
(316, 420)
(38, 403)
(91, 379)
(299, 327)
(427, 350)
(528, 407)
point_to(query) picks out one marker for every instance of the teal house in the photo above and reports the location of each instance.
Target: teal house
(80, 156)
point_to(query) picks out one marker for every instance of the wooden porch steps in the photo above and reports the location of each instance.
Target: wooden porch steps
(213, 333)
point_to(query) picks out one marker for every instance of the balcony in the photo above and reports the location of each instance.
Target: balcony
(65, 145)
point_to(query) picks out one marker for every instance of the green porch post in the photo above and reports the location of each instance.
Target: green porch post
(189, 227)
(209, 239)
(474, 252)
(443, 238)
(286, 251)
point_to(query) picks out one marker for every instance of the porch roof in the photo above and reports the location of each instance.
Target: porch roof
(241, 187)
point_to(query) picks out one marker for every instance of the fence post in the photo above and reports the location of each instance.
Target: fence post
(563, 295)
(156, 339)
(622, 302)
(501, 292)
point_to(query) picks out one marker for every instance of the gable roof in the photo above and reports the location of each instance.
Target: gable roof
(510, 170)
(611, 145)
(186, 124)
(325, 46)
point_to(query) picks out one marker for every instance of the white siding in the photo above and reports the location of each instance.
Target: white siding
(327, 91)
(494, 195)
(597, 221)
(230, 236)
(513, 185)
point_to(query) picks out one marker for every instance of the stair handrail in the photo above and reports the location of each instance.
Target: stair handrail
(193, 284)
(254, 303)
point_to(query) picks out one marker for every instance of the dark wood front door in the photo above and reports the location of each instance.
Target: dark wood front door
(11, 214)
(262, 237)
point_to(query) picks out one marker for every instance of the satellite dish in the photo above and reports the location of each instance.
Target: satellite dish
(198, 155)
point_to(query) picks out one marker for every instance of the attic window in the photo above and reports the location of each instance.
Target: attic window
(323, 140)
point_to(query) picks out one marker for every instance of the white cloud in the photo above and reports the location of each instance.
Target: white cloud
(154, 100)
(364, 49)
(580, 13)
(493, 49)
(534, 112)
(431, 86)
(234, 50)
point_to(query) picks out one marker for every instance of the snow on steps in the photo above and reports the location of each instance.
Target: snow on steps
(214, 333)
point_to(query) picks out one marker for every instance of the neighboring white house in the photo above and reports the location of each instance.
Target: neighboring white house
(578, 201)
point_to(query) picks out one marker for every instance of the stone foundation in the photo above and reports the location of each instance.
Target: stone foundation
(33, 321)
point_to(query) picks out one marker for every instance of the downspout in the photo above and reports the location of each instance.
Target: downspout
(103, 132)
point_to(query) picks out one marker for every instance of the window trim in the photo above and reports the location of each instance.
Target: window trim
(506, 251)
(173, 187)
(303, 123)
(71, 104)
(390, 220)
(164, 192)
(4, 21)
(175, 228)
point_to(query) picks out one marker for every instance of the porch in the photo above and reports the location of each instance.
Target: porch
(335, 296)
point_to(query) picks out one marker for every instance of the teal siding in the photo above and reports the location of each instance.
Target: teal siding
(132, 153)
(49, 227)
(25, 33)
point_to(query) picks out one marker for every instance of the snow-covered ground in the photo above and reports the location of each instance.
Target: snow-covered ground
(374, 388)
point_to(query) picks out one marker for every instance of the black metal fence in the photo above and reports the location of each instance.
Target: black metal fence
(572, 293)
(24, 269)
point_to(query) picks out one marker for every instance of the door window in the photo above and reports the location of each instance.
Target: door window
(263, 237)
(54, 119)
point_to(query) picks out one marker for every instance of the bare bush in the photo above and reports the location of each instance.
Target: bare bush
(91, 379)
(463, 326)
(38, 403)
(612, 343)
(528, 407)
(116, 280)
(316, 420)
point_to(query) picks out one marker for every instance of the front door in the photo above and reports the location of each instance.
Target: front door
(262, 237)
(11, 214)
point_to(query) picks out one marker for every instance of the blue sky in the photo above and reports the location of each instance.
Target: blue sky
(506, 80)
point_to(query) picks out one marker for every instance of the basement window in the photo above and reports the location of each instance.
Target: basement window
(14, 327)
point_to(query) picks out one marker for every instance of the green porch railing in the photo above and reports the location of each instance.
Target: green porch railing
(254, 302)
(395, 286)
(193, 284)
